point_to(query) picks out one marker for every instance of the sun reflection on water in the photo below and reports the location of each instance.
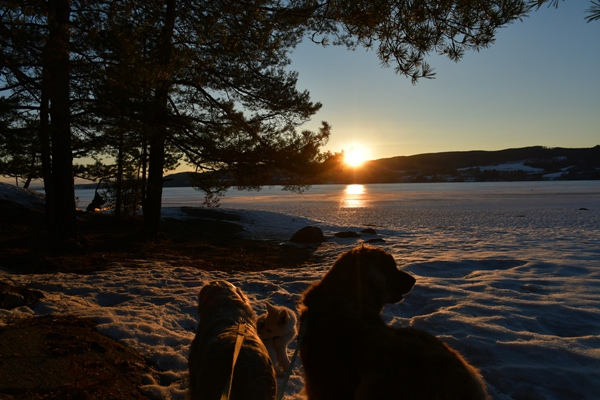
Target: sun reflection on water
(355, 189)
(353, 197)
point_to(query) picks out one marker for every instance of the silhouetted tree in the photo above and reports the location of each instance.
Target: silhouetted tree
(231, 105)
(593, 11)
(36, 75)
(21, 43)
(19, 145)
(210, 78)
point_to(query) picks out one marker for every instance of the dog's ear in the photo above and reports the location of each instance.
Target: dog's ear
(375, 276)
(205, 297)
(260, 322)
(205, 294)
(283, 317)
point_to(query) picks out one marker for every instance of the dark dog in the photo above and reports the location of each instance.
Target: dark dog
(222, 308)
(348, 352)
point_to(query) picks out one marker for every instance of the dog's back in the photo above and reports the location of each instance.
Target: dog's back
(375, 361)
(210, 367)
(412, 364)
(222, 309)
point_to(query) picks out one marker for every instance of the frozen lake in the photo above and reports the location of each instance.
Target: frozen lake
(429, 220)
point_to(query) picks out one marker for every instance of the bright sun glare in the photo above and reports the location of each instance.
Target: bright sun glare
(354, 157)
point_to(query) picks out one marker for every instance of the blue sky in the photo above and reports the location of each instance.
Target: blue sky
(538, 84)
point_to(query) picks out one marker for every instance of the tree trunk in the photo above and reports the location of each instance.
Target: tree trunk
(156, 160)
(65, 221)
(119, 182)
(144, 161)
(27, 182)
(153, 202)
(31, 171)
(44, 133)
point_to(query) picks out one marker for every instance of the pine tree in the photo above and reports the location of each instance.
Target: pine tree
(208, 78)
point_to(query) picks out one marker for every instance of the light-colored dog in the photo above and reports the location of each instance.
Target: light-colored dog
(222, 308)
(277, 328)
(348, 352)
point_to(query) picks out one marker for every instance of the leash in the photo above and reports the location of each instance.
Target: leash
(241, 333)
(286, 378)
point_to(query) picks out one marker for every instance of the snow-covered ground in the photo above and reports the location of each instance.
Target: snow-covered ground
(30, 198)
(508, 274)
(513, 166)
(519, 166)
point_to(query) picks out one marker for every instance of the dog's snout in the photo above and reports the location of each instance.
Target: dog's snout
(408, 281)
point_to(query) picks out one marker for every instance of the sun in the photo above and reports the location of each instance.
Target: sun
(355, 157)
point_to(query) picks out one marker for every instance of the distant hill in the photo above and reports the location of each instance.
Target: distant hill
(180, 179)
(467, 159)
(526, 163)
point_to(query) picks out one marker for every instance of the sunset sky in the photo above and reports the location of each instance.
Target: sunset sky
(538, 84)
